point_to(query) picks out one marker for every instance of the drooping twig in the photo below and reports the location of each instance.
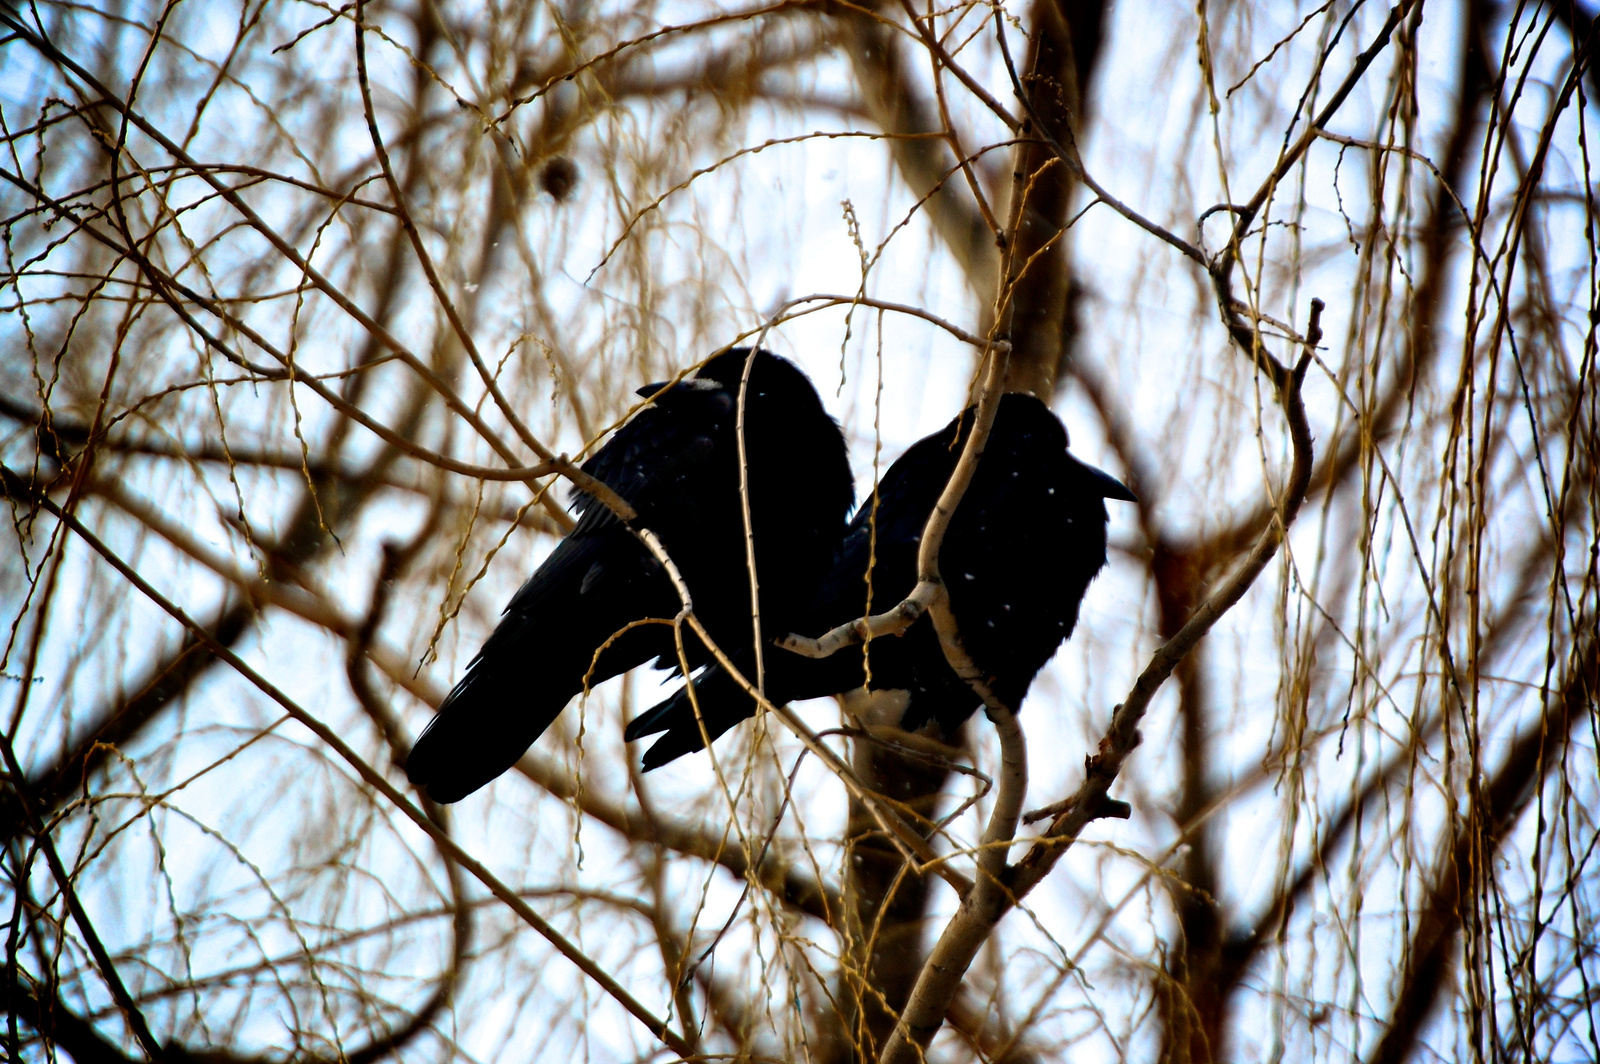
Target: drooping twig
(131, 1014)
(375, 779)
(177, 295)
(1466, 863)
(560, 463)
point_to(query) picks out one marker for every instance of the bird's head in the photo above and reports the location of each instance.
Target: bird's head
(724, 373)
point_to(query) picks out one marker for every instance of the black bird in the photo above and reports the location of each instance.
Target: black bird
(677, 463)
(1019, 552)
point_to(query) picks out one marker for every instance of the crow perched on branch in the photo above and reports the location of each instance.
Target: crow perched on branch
(677, 464)
(1019, 552)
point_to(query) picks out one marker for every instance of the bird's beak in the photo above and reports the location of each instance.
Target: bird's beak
(651, 389)
(1110, 486)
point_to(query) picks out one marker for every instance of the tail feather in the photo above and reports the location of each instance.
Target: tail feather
(516, 687)
(723, 703)
(486, 724)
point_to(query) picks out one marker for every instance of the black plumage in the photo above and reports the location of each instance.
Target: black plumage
(677, 463)
(1028, 537)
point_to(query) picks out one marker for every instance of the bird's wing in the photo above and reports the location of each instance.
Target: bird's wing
(658, 454)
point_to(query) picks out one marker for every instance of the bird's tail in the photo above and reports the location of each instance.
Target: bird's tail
(483, 727)
(722, 703)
